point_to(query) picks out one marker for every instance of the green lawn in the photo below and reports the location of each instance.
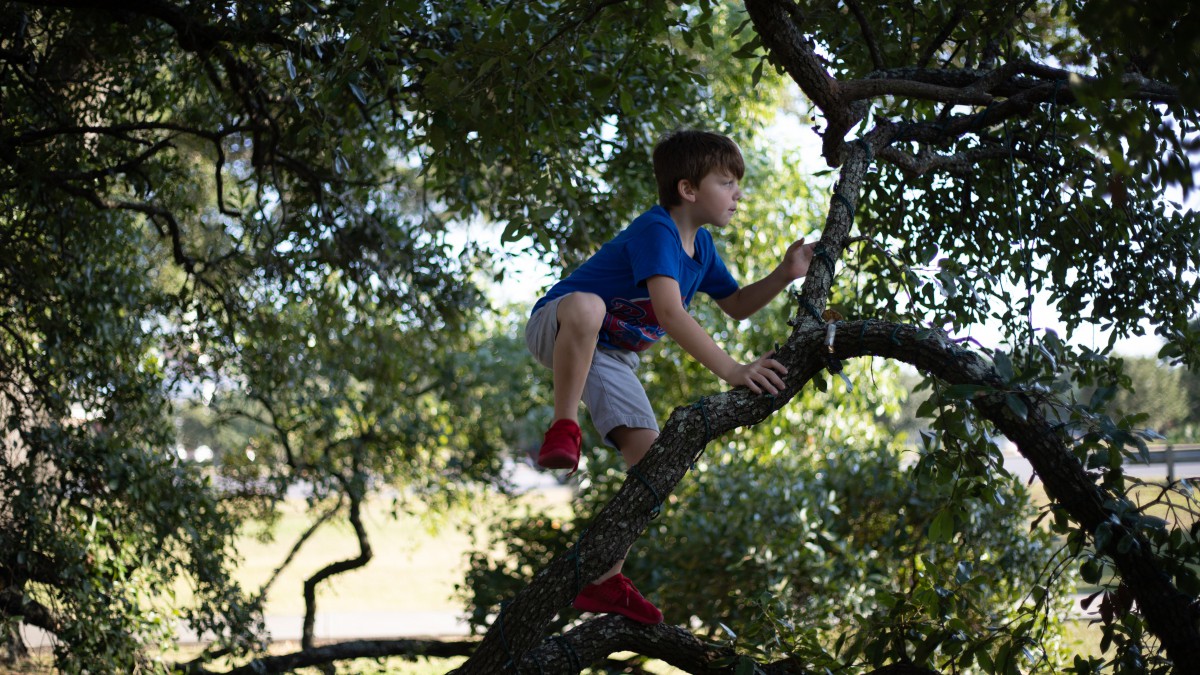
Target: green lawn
(414, 568)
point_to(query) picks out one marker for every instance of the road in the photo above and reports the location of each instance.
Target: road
(1187, 466)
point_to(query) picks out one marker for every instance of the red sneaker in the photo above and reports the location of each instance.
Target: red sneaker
(617, 595)
(560, 450)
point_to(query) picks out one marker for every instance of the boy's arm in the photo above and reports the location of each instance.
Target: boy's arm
(761, 375)
(749, 299)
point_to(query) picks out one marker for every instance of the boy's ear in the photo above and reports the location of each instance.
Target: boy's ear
(687, 191)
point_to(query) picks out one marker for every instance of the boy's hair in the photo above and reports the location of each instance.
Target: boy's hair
(691, 154)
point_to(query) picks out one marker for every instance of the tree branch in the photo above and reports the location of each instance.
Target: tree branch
(792, 49)
(874, 88)
(344, 651)
(568, 26)
(363, 557)
(15, 603)
(1011, 80)
(592, 641)
(960, 162)
(868, 34)
(324, 518)
(936, 43)
(194, 35)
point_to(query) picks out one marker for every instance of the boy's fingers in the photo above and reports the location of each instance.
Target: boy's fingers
(775, 365)
(769, 381)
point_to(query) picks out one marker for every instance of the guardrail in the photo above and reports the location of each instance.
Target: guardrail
(1170, 454)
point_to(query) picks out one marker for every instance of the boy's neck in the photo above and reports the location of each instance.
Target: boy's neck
(686, 223)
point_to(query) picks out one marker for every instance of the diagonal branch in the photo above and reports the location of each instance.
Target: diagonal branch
(868, 34)
(345, 651)
(794, 51)
(300, 541)
(936, 43)
(364, 556)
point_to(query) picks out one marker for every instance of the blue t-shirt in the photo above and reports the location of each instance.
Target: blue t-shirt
(618, 272)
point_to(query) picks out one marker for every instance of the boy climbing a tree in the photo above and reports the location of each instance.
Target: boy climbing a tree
(590, 326)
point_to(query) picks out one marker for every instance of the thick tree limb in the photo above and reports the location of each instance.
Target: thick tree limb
(1171, 614)
(345, 651)
(960, 162)
(788, 47)
(15, 603)
(591, 641)
(874, 88)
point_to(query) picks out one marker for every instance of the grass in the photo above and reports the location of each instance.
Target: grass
(414, 568)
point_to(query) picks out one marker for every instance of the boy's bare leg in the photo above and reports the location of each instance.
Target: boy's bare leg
(579, 318)
(634, 443)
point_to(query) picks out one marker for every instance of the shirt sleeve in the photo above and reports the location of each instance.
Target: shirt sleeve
(653, 252)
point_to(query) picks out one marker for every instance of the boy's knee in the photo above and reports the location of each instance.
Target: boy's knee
(581, 309)
(633, 443)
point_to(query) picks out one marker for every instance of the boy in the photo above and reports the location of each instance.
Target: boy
(590, 326)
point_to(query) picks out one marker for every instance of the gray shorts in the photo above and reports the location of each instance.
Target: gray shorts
(612, 393)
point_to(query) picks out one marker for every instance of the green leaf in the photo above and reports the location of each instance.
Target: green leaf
(749, 49)
(1004, 366)
(1103, 536)
(1017, 405)
(746, 666)
(942, 528)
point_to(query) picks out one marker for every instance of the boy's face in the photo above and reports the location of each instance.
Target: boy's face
(717, 197)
